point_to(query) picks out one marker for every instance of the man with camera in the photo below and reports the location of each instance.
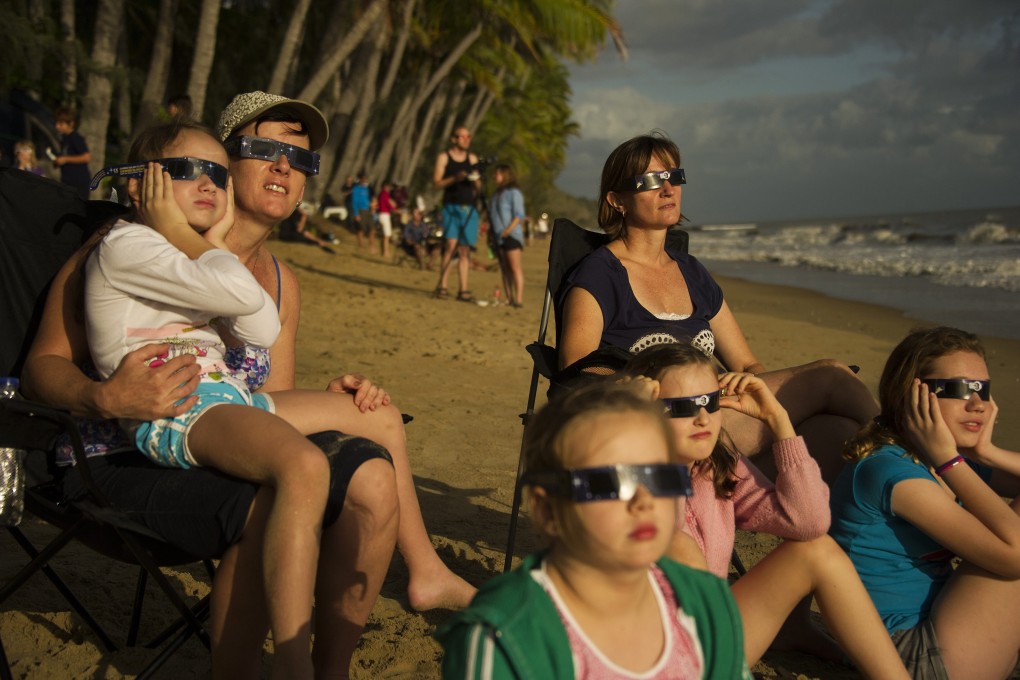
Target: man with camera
(457, 174)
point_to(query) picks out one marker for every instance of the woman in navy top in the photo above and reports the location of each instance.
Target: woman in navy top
(634, 293)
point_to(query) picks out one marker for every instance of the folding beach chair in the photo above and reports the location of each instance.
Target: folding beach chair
(41, 224)
(570, 244)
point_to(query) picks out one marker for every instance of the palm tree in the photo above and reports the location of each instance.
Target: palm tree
(95, 115)
(205, 51)
(159, 64)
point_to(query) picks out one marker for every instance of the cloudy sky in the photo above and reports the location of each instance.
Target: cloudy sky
(812, 108)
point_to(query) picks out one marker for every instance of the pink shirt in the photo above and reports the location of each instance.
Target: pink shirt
(682, 657)
(796, 506)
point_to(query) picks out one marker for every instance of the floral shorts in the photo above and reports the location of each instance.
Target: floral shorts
(165, 440)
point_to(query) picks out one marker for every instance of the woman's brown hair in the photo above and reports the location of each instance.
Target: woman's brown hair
(912, 358)
(653, 363)
(626, 162)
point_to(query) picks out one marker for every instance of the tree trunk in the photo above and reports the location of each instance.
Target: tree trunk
(69, 52)
(397, 53)
(159, 64)
(95, 115)
(453, 111)
(313, 88)
(385, 152)
(205, 50)
(415, 141)
(291, 41)
(123, 87)
(366, 105)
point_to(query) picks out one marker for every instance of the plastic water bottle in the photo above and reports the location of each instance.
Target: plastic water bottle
(496, 295)
(12, 469)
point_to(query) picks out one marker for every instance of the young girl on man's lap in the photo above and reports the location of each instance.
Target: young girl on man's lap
(602, 601)
(731, 493)
(170, 278)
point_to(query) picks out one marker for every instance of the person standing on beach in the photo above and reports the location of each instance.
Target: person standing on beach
(361, 209)
(73, 159)
(457, 175)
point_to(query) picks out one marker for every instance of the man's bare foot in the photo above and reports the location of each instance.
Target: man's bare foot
(440, 589)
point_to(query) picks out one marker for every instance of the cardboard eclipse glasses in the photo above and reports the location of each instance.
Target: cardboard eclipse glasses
(613, 482)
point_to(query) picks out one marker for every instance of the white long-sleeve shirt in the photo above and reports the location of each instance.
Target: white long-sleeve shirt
(140, 289)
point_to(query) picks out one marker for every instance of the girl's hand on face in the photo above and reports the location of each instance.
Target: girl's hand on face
(926, 429)
(157, 206)
(649, 387)
(984, 446)
(748, 394)
(217, 233)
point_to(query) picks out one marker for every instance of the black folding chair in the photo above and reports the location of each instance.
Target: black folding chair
(41, 224)
(569, 245)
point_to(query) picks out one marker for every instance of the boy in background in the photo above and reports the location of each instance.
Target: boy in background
(73, 159)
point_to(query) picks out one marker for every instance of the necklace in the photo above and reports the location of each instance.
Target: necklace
(255, 262)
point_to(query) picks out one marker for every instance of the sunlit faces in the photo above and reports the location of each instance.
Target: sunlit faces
(615, 534)
(269, 191)
(966, 418)
(655, 208)
(202, 202)
(696, 436)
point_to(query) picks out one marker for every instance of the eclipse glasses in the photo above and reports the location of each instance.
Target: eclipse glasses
(959, 388)
(688, 407)
(655, 180)
(264, 149)
(613, 482)
(179, 168)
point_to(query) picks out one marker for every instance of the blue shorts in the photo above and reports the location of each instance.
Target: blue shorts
(165, 440)
(460, 222)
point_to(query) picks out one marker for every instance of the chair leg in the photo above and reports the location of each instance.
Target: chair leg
(5, 669)
(136, 608)
(149, 565)
(515, 508)
(40, 562)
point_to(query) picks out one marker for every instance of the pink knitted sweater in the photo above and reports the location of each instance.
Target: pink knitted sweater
(796, 506)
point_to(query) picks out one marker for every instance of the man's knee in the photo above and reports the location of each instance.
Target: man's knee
(372, 492)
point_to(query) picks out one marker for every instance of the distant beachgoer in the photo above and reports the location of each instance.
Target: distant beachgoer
(24, 157)
(542, 226)
(179, 106)
(925, 490)
(456, 173)
(416, 235)
(361, 209)
(506, 210)
(294, 229)
(634, 293)
(74, 155)
(385, 217)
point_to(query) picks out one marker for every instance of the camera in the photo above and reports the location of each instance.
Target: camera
(484, 162)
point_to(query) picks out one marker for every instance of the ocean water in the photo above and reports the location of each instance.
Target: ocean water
(960, 268)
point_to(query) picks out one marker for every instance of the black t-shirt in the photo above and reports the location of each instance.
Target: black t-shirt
(458, 193)
(74, 174)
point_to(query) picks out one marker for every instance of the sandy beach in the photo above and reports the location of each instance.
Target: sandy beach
(462, 372)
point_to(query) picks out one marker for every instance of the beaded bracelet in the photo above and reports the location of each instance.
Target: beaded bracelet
(948, 465)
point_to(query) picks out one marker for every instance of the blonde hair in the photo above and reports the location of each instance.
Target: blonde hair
(912, 358)
(548, 435)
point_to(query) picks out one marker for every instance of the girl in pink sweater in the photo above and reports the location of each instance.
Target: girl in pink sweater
(731, 493)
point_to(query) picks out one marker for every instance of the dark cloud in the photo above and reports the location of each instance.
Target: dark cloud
(932, 124)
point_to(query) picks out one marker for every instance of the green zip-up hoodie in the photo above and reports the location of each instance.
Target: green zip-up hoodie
(512, 630)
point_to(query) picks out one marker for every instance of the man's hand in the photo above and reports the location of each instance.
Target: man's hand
(367, 396)
(142, 391)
